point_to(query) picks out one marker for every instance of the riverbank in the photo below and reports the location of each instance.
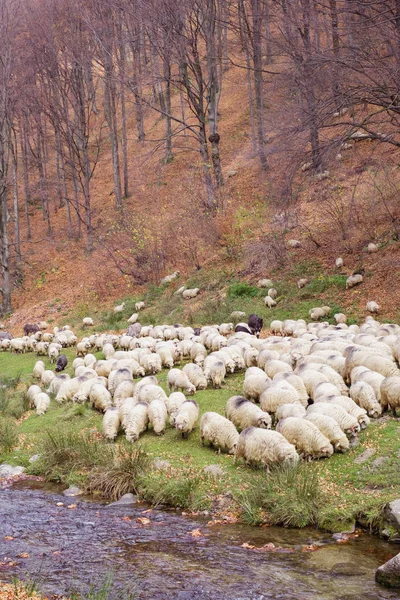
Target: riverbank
(334, 494)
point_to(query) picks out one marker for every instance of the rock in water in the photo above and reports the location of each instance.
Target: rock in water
(392, 513)
(10, 471)
(389, 573)
(72, 491)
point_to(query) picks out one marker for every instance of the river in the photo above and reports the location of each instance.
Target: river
(164, 555)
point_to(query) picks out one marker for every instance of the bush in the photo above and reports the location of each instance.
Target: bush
(242, 290)
(8, 434)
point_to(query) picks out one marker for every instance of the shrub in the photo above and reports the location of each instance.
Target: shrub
(8, 434)
(242, 290)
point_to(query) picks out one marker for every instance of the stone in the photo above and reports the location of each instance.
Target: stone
(364, 456)
(354, 442)
(347, 570)
(231, 173)
(125, 500)
(161, 465)
(392, 513)
(214, 470)
(34, 458)
(379, 462)
(72, 491)
(10, 471)
(388, 574)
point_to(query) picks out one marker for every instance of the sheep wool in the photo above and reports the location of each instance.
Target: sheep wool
(306, 437)
(265, 447)
(158, 416)
(41, 402)
(111, 423)
(175, 400)
(186, 417)
(218, 432)
(390, 394)
(244, 413)
(137, 421)
(331, 430)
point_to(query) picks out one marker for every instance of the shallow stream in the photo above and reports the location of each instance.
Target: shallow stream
(174, 556)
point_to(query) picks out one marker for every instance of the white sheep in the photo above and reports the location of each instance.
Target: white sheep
(346, 422)
(243, 413)
(137, 421)
(226, 328)
(38, 369)
(111, 423)
(89, 360)
(276, 327)
(186, 417)
(133, 318)
(373, 378)
(47, 377)
(53, 353)
(272, 293)
(165, 355)
(251, 357)
(82, 348)
(218, 432)
(372, 247)
(158, 416)
(125, 389)
(270, 302)
(273, 367)
(265, 447)
(140, 306)
(32, 391)
(119, 309)
(195, 375)
(354, 280)
(255, 381)
(372, 306)
(297, 382)
(340, 318)
(237, 315)
(151, 363)
(41, 402)
(214, 371)
(84, 388)
(390, 394)
(331, 430)
(100, 397)
(56, 383)
(189, 294)
(198, 353)
(290, 410)
(277, 393)
(149, 392)
(293, 244)
(306, 437)
(169, 278)
(173, 403)
(87, 322)
(116, 377)
(264, 283)
(125, 409)
(363, 394)
(179, 380)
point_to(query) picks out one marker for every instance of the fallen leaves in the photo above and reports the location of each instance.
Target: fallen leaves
(270, 547)
(196, 533)
(8, 537)
(23, 555)
(143, 520)
(72, 506)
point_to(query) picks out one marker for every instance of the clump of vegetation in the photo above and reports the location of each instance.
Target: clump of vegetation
(289, 497)
(8, 434)
(181, 490)
(242, 290)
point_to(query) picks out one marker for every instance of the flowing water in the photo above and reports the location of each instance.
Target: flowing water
(66, 549)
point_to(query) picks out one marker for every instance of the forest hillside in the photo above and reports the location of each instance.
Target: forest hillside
(139, 138)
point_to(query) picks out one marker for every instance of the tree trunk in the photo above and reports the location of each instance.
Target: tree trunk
(25, 174)
(168, 133)
(43, 179)
(122, 75)
(258, 80)
(17, 238)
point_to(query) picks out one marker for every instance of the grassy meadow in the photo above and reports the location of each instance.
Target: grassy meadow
(331, 494)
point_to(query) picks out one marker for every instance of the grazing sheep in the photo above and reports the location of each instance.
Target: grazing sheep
(351, 407)
(297, 382)
(270, 302)
(43, 325)
(87, 322)
(198, 353)
(179, 380)
(302, 283)
(83, 392)
(41, 402)
(46, 377)
(32, 391)
(173, 403)
(255, 381)
(272, 293)
(100, 397)
(89, 360)
(265, 447)
(390, 394)
(137, 421)
(149, 380)
(277, 393)
(139, 306)
(250, 357)
(293, 244)
(186, 417)
(289, 410)
(38, 369)
(373, 378)
(134, 330)
(372, 247)
(276, 327)
(189, 294)
(346, 422)
(151, 363)
(116, 377)
(363, 394)
(119, 309)
(133, 318)
(382, 365)
(82, 348)
(166, 357)
(354, 280)
(195, 375)
(214, 371)
(339, 263)
(264, 283)
(273, 367)
(41, 348)
(56, 383)
(306, 437)
(125, 409)
(125, 389)
(219, 432)
(61, 363)
(331, 430)
(237, 315)
(226, 328)
(340, 318)
(148, 393)
(169, 278)
(158, 416)
(111, 423)
(244, 413)
(372, 307)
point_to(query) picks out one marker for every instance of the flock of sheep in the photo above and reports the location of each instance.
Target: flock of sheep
(308, 388)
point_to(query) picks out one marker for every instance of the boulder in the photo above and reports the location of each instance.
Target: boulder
(389, 573)
(125, 500)
(392, 514)
(72, 491)
(361, 458)
(10, 471)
